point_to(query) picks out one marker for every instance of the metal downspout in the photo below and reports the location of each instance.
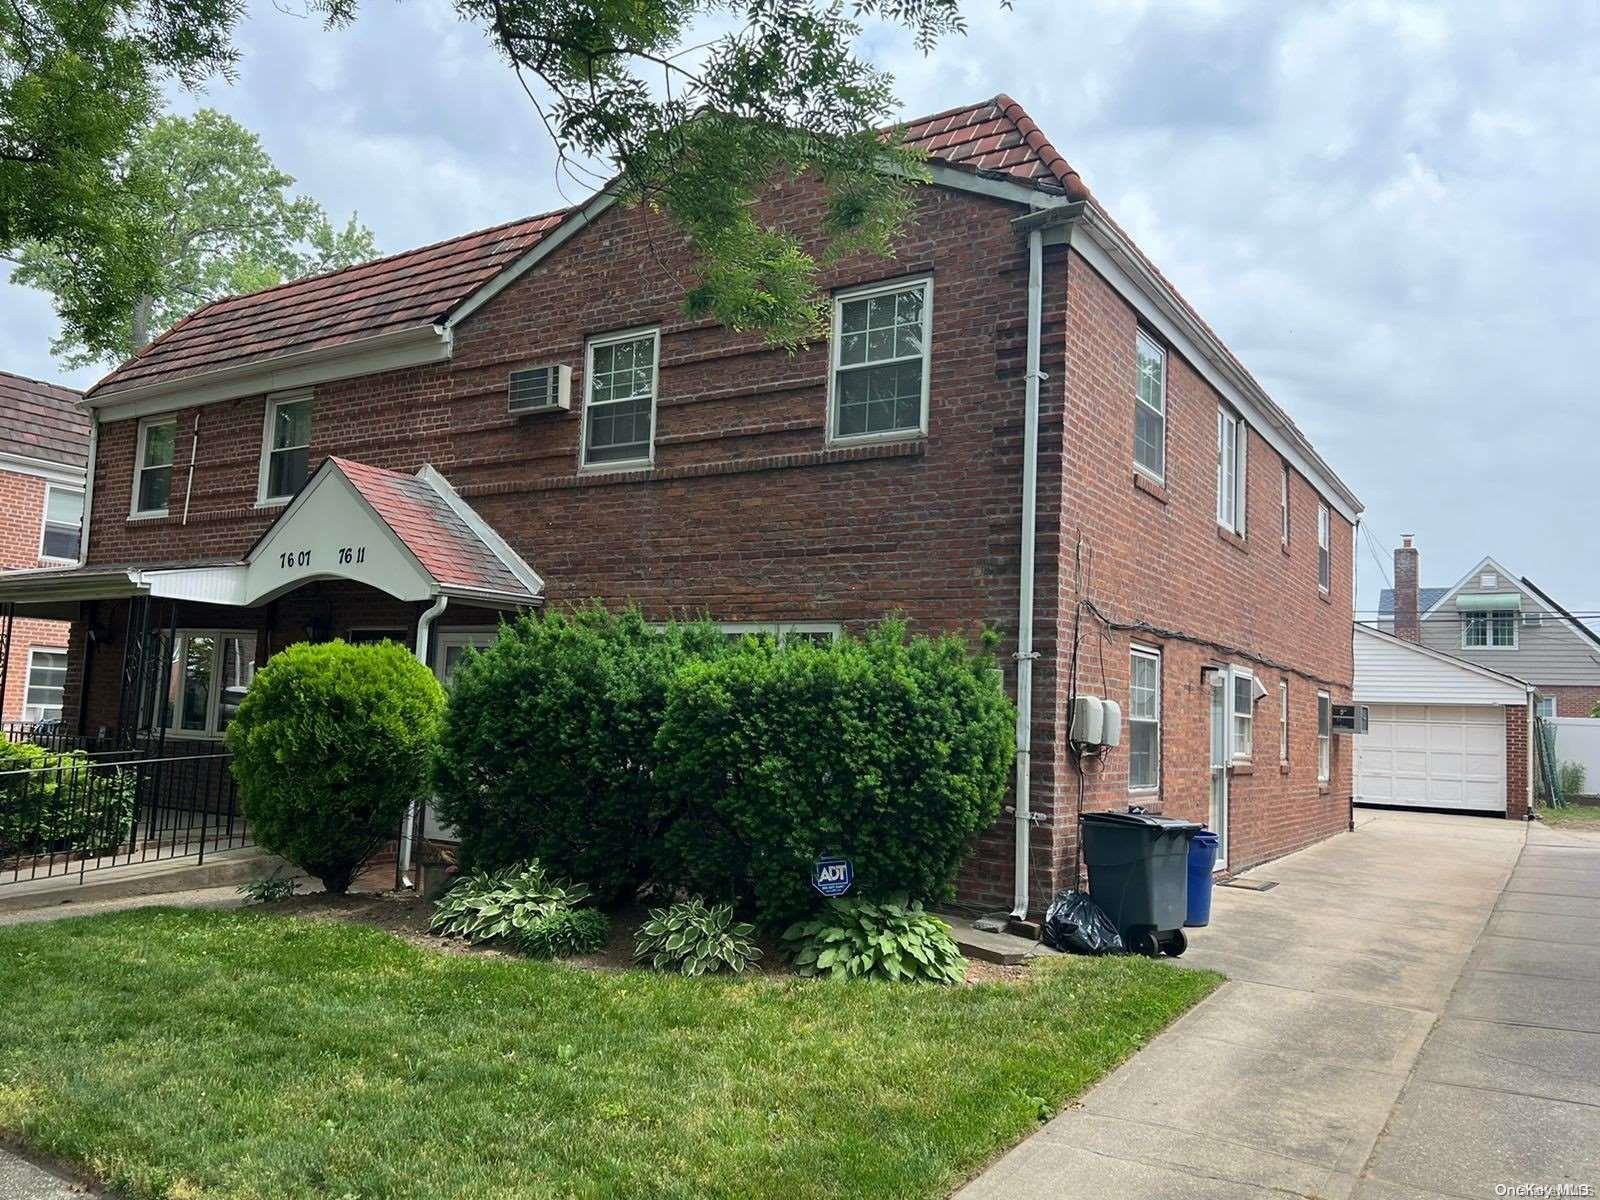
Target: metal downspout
(1030, 515)
(407, 832)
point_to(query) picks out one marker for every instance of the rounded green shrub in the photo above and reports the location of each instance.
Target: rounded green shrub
(331, 745)
(564, 933)
(891, 750)
(549, 744)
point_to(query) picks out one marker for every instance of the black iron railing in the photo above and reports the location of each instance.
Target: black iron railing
(72, 810)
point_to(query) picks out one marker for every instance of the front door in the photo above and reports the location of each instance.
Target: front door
(1219, 764)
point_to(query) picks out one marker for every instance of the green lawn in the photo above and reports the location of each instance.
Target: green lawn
(191, 1054)
(1581, 817)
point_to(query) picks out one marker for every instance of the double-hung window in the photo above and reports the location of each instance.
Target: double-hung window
(1324, 548)
(1232, 443)
(1283, 505)
(152, 466)
(286, 448)
(63, 524)
(1545, 707)
(1492, 630)
(1144, 720)
(1283, 720)
(208, 673)
(1242, 693)
(881, 340)
(1150, 407)
(619, 409)
(47, 682)
(1324, 737)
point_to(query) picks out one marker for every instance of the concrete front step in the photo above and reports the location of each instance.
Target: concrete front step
(221, 868)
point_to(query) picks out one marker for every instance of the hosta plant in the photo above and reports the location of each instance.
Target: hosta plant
(511, 903)
(866, 939)
(564, 932)
(695, 939)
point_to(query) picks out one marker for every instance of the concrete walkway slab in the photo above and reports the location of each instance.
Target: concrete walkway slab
(1322, 1068)
(1545, 927)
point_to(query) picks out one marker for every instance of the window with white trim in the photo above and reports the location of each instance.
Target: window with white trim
(1242, 698)
(619, 408)
(1546, 707)
(1324, 548)
(1283, 720)
(1324, 737)
(1150, 407)
(1495, 629)
(285, 448)
(1144, 720)
(1232, 442)
(1283, 505)
(63, 524)
(152, 466)
(881, 342)
(783, 632)
(47, 683)
(208, 673)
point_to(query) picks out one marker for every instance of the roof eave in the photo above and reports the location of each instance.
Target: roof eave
(413, 345)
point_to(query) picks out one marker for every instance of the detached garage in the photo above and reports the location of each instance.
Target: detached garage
(1444, 733)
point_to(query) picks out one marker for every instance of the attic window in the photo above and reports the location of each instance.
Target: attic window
(1488, 579)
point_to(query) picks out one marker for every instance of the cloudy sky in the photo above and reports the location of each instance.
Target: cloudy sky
(1387, 209)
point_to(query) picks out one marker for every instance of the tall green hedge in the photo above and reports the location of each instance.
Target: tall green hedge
(893, 751)
(549, 746)
(331, 745)
(59, 801)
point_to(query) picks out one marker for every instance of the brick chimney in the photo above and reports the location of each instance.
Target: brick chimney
(1406, 623)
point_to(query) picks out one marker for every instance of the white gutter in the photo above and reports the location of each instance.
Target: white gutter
(1030, 519)
(424, 628)
(88, 486)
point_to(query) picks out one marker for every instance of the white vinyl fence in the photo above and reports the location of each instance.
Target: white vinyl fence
(1578, 740)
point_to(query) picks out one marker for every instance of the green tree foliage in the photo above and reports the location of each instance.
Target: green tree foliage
(891, 750)
(331, 745)
(695, 129)
(79, 79)
(548, 746)
(209, 202)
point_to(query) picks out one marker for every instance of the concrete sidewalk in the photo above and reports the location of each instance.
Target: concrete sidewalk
(1411, 1012)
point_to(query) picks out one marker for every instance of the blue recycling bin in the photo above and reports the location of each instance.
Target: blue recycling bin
(1202, 861)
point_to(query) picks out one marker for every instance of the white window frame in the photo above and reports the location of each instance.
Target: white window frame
(653, 332)
(1324, 737)
(1539, 707)
(1236, 752)
(1324, 549)
(1232, 470)
(35, 712)
(1145, 343)
(44, 523)
(780, 630)
(1152, 654)
(1284, 503)
(836, 342)
(218, 638)
(274, 403)
(139, 467)
(1283, 721)
(1487, 616)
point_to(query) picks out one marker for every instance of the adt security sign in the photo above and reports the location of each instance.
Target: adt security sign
(832, 876)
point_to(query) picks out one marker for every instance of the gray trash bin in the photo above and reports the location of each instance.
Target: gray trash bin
(1139, 874)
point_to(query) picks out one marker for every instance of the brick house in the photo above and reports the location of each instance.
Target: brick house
(44, 440)
(1017, 423)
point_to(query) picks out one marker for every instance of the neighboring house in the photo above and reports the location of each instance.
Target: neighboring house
(1492, 617)
(524, 416)
(44, 445)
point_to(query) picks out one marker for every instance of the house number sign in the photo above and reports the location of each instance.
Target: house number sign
(347, 556)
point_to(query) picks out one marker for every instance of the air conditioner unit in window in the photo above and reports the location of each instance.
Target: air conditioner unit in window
(1350, 718)
(540, 389)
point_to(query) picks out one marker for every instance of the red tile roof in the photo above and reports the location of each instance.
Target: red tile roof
(425, 285)
(996, 136)
(445, 545)
(398, 292)
(42, 420)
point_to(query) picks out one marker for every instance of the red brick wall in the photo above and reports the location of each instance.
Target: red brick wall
(1572, 701)
(1156, 558)
(22, 503)
(1517, 778)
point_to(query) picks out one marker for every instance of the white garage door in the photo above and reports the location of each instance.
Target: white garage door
(1433, 756)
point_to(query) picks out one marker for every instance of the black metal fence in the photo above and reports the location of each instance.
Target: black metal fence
(69, 806)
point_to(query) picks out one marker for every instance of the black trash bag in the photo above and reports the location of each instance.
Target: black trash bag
(1075, 923)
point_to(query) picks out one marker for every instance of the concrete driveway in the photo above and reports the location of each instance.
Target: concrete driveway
(1413, 1011)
